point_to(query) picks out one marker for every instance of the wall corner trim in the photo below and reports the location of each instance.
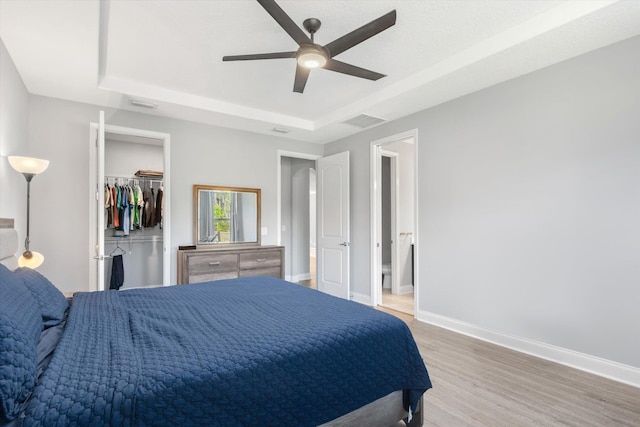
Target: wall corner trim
(602, 367)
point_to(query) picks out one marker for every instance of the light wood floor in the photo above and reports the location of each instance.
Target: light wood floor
(476, 383)
(401, 303)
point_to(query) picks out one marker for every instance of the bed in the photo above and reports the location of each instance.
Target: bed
(249, 351)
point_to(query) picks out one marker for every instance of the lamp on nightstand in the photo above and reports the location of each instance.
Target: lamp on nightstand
(29, 167)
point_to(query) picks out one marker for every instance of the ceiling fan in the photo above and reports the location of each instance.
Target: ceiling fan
(311, 55)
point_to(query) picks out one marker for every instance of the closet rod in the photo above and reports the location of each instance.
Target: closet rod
(135, 178)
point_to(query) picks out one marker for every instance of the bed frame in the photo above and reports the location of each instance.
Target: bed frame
(385, 412)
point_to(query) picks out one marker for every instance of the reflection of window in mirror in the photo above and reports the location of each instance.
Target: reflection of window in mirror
(227, 215)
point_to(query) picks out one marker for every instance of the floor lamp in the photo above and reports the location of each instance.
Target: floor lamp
(29, 167)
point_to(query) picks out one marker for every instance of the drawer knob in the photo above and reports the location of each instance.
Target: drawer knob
(261, 259)
(214, 263)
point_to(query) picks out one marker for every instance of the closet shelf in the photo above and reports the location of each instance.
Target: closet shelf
(129, 239)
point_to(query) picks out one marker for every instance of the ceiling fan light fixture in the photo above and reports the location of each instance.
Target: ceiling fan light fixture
(311, 57)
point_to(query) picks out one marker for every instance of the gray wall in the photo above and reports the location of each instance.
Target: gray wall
(301, 241)
(385, 205)
(528, 205)
(14, 114)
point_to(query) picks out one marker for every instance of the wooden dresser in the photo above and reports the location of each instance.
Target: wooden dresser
(201, 265)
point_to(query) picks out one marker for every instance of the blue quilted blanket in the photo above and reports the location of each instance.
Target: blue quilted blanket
(249, 351)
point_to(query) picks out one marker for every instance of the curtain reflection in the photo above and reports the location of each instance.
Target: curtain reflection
(227, 217)
(206, 223)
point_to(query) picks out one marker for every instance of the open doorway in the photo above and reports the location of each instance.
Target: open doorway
(146, 248)
(297, 216)
(394, 223)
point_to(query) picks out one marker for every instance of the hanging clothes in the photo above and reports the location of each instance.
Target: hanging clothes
(158, 216)
(114, 206)
(126, 212)
(138, 205)
(120, 208)
(131, 207)
(108, 212)
(128, 206)
(149, 208)
(117, 273)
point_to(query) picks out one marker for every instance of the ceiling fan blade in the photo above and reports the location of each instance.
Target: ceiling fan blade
(302, 74)
(352, 70)
(275, 55)
(361, 34)
(285, 22)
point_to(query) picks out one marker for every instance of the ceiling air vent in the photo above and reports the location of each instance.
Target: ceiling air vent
(281, 130)
(144, 104)
(363, 121)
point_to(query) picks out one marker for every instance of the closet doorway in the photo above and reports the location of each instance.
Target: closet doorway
(297, 215)
(135, 163)
(394, 214)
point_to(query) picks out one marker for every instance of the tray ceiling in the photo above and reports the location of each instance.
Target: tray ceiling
(169, 53)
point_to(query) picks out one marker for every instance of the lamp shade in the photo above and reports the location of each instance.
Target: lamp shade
(34, 261)
(29, 165)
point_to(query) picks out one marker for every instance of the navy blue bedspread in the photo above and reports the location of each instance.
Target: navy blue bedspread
(249, 351)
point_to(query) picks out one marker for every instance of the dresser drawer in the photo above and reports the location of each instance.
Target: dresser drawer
(207, 277)
(266, 271)
(212, 263)
(260, 260)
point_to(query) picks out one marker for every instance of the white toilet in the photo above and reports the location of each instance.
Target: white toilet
(386, 276)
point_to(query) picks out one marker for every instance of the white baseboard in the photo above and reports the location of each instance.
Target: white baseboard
(405, 289)
(361, 298)
(605, 368)
(299, 277)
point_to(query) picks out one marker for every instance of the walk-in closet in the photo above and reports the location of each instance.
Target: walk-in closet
(133, 211)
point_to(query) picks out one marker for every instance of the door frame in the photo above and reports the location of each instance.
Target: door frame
(375, 172)
(296, 155)
(165, 138)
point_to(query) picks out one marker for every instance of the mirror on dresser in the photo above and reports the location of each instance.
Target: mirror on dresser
(226, 215)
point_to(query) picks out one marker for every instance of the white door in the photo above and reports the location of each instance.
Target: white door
(333, 225)
(97, 194)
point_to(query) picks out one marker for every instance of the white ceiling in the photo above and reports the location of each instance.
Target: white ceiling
(170, 54)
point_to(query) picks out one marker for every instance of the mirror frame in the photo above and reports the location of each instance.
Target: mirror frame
(196, 203)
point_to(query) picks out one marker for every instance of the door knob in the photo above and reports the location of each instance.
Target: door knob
(344, 244)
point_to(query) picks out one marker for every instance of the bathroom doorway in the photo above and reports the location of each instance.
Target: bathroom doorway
(394, 223)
